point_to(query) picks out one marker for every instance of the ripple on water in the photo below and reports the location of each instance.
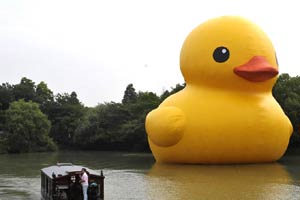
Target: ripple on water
(134, 177)
(19, 188)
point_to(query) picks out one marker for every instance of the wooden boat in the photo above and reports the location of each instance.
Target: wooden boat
(61, 182)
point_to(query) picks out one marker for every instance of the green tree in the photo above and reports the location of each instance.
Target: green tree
(24, 90)
(287, 93)
(65, 114)
(101, 129)
(132, 132)
(115, 126)
(43, 96)
(280, 89)
(130, 96)
(6, 97)
(27, 128)
(174, 90)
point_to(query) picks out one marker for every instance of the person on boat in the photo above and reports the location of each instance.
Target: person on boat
(85, 183)
(75, 187)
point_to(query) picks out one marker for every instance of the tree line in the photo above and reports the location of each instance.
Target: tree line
(33, 119)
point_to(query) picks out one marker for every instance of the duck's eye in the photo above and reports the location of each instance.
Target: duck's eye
(221, 54)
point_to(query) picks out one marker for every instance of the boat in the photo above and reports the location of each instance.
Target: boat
(61, 182)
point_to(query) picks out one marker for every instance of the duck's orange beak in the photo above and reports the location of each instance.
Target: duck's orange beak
(257, 69)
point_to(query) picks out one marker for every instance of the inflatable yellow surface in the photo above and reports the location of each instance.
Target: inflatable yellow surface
(226, 113)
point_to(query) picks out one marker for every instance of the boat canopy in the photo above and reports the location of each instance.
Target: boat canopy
(63, 169)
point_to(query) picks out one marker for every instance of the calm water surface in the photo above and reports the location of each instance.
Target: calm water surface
(137, 176)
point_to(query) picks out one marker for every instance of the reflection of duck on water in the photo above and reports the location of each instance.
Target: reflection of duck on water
(264, 181)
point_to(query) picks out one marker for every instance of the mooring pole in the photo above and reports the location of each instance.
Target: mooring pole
(102, 185)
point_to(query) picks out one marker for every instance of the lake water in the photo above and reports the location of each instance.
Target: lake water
(137, 176)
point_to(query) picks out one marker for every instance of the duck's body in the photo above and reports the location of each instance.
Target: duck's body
(226, 113)
(226, 127)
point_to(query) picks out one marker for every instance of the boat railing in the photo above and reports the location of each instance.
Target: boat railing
(64, 164)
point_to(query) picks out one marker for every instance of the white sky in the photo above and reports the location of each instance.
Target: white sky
(96, 48)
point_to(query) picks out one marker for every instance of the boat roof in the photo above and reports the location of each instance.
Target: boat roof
(64, 169)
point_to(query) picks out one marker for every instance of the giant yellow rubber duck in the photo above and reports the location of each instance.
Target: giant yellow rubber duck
(226, 113)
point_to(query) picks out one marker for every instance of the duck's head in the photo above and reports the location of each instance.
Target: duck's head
(229, 52)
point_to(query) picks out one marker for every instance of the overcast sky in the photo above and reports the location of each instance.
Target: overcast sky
(96, 48)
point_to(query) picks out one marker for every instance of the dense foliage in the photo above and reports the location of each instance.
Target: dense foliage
(62, 111)
(32, 118)
(27, 128)
(116, 126)
(287, 92)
